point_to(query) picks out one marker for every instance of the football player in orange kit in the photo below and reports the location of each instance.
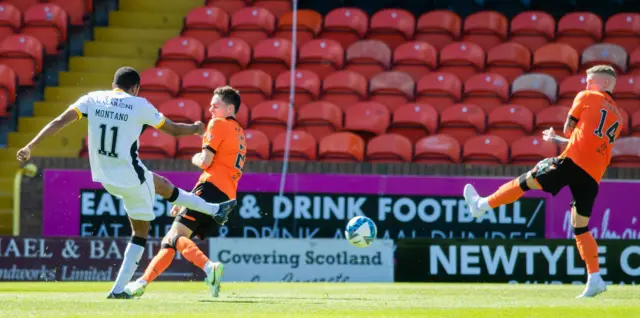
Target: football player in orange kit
(222, 161)
(593, 125)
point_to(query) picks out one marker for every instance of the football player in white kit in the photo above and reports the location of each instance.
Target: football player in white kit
(116, 118)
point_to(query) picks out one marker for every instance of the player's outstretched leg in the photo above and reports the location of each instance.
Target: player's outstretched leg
(193, 254)
(179, 197)
(507, 193)
(158, 265)
(132, 256)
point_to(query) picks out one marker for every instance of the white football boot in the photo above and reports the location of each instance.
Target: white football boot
(135, 289)
(595, 286)
(214, 277)
(471, 197)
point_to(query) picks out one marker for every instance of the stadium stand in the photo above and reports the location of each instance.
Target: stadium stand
(387, 85)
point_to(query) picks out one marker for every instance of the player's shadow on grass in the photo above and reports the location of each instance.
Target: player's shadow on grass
(274, 302)
(304, 298)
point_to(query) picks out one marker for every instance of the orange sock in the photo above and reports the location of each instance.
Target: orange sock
(191, 252)
(159, 264)
(507, 193)
(588, 249)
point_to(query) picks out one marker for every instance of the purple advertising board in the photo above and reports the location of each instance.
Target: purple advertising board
(614, 215)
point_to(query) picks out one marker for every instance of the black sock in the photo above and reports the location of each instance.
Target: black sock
(174, 195)
(580, 230)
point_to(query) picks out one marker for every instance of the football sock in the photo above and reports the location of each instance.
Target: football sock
(191, 252)
(180, 197)
(132, 256)
(588, 249)
(507, 193)
(159, 263)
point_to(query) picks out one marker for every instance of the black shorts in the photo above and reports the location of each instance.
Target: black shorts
(201, 224)
(553, 174)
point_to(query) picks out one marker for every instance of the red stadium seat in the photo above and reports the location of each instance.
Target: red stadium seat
(242, 116)
(270, 117)
(437, 149)
(569, 88)
(532, 29)
(635, 124)
(309, 26)
(509, 60)
(255, 86)
(415, 58)
(341, 147)
(273, 56)
(485, 149)
(627, 93)
(367, 119)
(556, 59)
(604, 53)
(392, 26)
(345, 25)
(322, 56)
(159, 85)
(389, 148)
(368, 57)
(188, 146)
(486, 90)
(48, 24)
(229, 6)
(623, 29)
(462, 122)
(319, 119)
(530, 150)
(625, 123)
(24, 55)
(181, 55)
(75, 9)
(579, 30)
(181, 110)
(535, 91)
(302, 146)
(344, 88)
(462, 59)
(155, 144)
(276, 7)
(439, 90)
(551, 117)
(510, 122)
(414, 121)
(8, 82)
(634, 62)
(10, 20)
(307, 87)
(258, 145)
(228, 56)
(439, 28)
(199, 85)
(626, 153)
(22, 5)
(392, 89)
(207, 24)
(486, 29)
(252, 24)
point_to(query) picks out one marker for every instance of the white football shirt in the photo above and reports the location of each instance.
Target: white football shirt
(116, 120)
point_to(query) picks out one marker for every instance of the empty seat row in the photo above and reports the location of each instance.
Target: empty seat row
(369, 57)
(46, 22)
(387, 148)
(345, 88)
(397, 26)
(77, 10)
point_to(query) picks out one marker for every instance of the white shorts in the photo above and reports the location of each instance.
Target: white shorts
(139, 200)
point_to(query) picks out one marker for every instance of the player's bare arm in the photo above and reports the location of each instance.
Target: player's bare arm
(179, 129)
(550, 135)
(569, 126)
(50, 129)
(203, 159)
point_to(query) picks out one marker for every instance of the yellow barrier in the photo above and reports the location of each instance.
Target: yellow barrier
(143, 20)
(122, 35)
(126, 49)
(181, 7)
(107, 64)
(29, 170)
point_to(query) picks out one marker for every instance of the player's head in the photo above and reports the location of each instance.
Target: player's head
(601, 78)
(225, 102)
(127, 79)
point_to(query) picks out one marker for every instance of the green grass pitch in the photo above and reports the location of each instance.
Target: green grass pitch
(164, 299)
